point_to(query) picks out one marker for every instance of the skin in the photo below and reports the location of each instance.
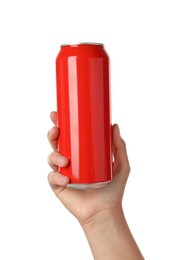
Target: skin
(99, 211)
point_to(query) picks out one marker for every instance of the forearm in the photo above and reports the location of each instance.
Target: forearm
(109, 237)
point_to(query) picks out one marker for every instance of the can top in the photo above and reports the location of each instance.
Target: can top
(82, 43)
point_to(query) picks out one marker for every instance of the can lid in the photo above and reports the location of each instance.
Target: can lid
(82, 43)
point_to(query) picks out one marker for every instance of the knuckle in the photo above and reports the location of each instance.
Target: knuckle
(50, 157)
(123, 143)
(48, 134)
(49, 176)
(127, 169)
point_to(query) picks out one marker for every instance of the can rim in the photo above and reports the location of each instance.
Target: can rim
(82, 43)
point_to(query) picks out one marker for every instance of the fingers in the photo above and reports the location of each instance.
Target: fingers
(53, 116)
(53, 135)
(55, 160)
(56, 180)
(53, 132)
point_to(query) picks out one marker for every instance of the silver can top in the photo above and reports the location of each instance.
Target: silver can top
(82, 43)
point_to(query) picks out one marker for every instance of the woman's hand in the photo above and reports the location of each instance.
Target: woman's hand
(86, 204)
(99, 211)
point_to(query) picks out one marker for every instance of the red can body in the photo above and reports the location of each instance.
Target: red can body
(84, 114)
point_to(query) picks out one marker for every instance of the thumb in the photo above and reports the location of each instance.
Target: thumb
(121, 167)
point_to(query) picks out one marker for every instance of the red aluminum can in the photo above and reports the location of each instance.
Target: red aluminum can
(84, 114)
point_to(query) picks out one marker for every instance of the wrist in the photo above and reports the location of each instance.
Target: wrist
(100, 231)
(103, 218)
(109, 236)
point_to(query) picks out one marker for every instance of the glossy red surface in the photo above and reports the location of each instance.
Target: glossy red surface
(83, 97)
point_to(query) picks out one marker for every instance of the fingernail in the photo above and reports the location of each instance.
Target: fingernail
(61, 160)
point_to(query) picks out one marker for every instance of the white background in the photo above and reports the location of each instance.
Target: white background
(138, 35)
